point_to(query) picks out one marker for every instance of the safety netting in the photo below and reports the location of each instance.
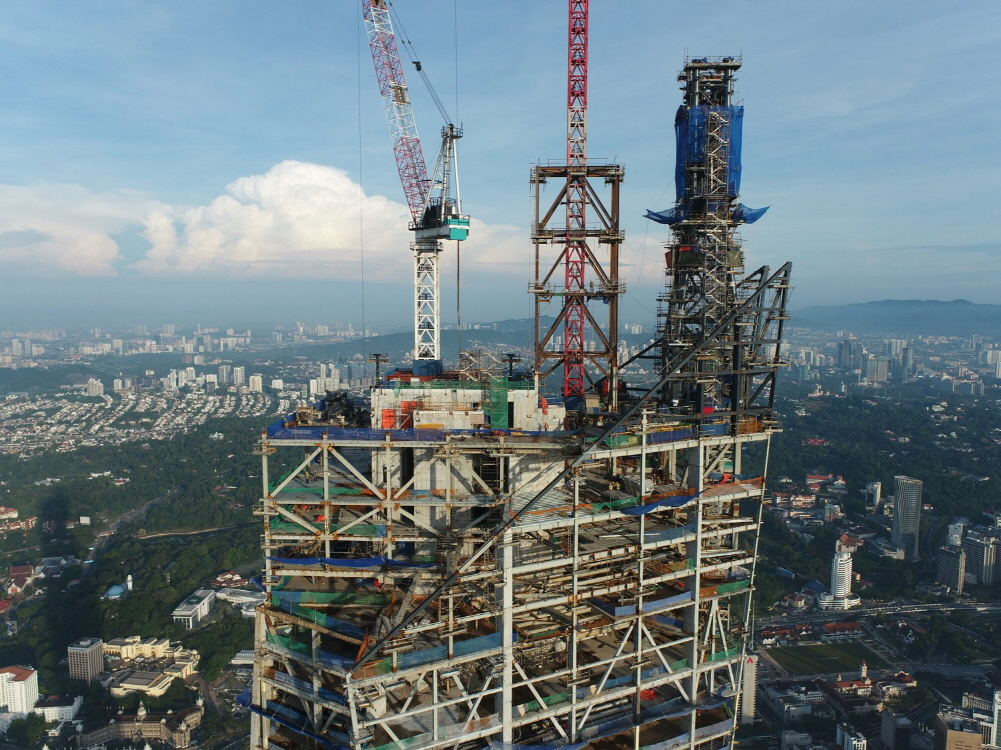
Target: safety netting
(314, 527)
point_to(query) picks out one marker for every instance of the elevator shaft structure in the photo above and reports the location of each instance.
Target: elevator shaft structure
(585, 278)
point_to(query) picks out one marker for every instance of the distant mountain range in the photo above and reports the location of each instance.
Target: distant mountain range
(958, 317)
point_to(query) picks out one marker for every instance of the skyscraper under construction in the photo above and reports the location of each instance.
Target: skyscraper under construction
(453, 567)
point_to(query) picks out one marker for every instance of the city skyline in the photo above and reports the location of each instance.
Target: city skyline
(152, 165)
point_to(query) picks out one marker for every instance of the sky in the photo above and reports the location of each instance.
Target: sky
(228, 163)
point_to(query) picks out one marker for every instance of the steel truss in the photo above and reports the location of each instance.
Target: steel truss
(575, 256)
(427, 300)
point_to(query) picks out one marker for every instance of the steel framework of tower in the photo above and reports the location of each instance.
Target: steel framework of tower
(576, 258)
(432, 584)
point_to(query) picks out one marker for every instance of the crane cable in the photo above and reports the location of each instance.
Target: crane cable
(412, 54)
(361, 199)
(458, 254)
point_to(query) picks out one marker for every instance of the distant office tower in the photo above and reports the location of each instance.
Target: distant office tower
(850, 354)
(907, 360)
(841, 574)
(980, 556)
(225, 372)
(894, 347)
(877, 369)
(749, 690)
(895, 731)
(239, 376)
(907, 516)
(256, 383)
(873, 494)
(86, 659)
(951, 567)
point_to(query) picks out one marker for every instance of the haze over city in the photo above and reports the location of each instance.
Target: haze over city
(198, 162)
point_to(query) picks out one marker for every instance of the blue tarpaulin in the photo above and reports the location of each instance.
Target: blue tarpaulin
(690, 137)
(669, 216)
(668, 502)
(690, 125)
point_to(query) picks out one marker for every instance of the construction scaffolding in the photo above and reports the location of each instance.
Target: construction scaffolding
(585, 278)
(465, 573)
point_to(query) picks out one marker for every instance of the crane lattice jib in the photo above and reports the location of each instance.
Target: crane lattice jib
(574, 331)
(396, 101)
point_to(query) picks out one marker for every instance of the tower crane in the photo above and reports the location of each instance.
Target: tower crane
(435, 208)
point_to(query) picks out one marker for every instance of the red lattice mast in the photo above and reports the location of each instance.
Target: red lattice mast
(576, 201)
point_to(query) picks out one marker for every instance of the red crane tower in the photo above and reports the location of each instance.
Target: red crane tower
(578, 259)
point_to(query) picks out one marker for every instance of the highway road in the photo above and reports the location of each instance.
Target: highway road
(887, 610)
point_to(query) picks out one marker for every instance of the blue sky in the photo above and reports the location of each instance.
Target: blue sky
(223, 162)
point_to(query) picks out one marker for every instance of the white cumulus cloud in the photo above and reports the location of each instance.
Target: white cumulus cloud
(54, 228)
(296, 220)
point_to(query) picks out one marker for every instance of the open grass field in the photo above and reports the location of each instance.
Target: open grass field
(825, 658)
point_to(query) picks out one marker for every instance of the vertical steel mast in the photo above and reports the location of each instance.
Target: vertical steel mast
(575, 318)
(584, 277)
(435, 211)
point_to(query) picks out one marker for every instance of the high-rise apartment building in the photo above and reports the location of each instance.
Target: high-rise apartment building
(980, 556)
(954, 536)
(749, 690)
(841, 574)
(225, 373)
(951, 567)
(256, 384)
(18, 689)
(86, 659)
(239, 375)
(907, 516)
(873, 495)
(850, 738)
